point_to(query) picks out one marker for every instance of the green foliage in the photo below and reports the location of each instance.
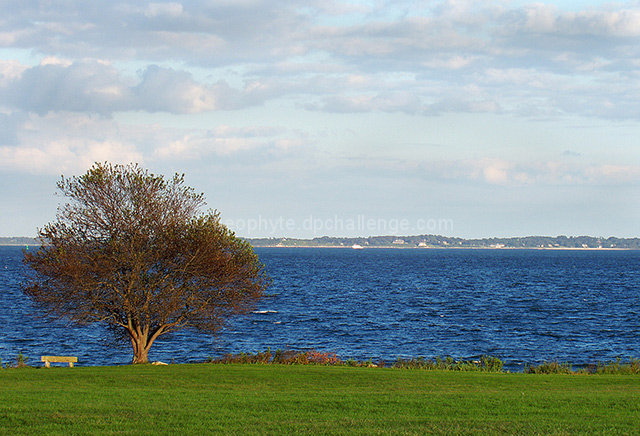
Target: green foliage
(448, 363)
(314, 357)
(553, 367)
(282, 357)
(19, 362)
(633, 367)
(245, 358)
(615, 367)
(485, 364)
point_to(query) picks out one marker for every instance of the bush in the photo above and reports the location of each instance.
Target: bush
(616, 367)
(448, 363)
(258, 357)
(20, 362)
(554, 367)
(283, 357)
(485, 364)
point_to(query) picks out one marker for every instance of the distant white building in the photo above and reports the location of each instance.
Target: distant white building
(399, 241)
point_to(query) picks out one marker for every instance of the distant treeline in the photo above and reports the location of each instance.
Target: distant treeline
(425, 241)
(18, 241)
(437, 241)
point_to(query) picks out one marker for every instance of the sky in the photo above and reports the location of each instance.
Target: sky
(340, 118)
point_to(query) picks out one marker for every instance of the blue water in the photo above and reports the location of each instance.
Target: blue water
(518, 305)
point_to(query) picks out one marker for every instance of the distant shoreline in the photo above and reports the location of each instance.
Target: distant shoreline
(426, 242)
(448, 242)
(340, 247)
(344, 247)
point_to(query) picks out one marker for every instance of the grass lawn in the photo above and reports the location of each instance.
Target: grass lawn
(276, 399)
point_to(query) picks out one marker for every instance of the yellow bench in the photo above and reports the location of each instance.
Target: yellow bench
(58, 359)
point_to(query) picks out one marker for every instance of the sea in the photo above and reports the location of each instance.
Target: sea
(522, 306)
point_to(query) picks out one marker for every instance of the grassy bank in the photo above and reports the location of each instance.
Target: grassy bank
(311, 399)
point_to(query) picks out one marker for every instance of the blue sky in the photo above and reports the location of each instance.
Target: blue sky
(353, 118)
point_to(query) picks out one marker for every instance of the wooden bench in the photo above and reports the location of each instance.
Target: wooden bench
(58, 359)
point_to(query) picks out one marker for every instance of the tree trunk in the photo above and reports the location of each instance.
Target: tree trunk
(140, 347)
(141, 341)
(140, 356)
(139, 350)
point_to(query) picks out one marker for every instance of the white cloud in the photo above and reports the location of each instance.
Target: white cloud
(11, 70)
(621, 23)
(540, 17)
(546, 173)
(164, 9)
(64, 142)
(95, 86)
(496, 171)
(165, 82)
(163, 89)
(614, 173)
(226, 140)
(451, 62)
(71, 142)
(385, 102)
(69, 154)
(294, 49)
(55, 86)
(487, 172)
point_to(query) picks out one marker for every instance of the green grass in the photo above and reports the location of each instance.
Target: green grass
(276, 399)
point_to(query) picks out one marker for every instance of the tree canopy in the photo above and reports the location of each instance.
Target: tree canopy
(132, 249)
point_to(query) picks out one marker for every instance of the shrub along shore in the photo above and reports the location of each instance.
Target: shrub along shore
(311, 399)
(483, 364)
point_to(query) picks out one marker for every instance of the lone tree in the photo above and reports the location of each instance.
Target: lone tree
(131, 249)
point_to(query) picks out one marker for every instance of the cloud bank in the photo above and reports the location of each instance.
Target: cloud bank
(446, 56)
(69, 69)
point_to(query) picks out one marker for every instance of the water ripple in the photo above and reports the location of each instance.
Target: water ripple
(519, 305)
